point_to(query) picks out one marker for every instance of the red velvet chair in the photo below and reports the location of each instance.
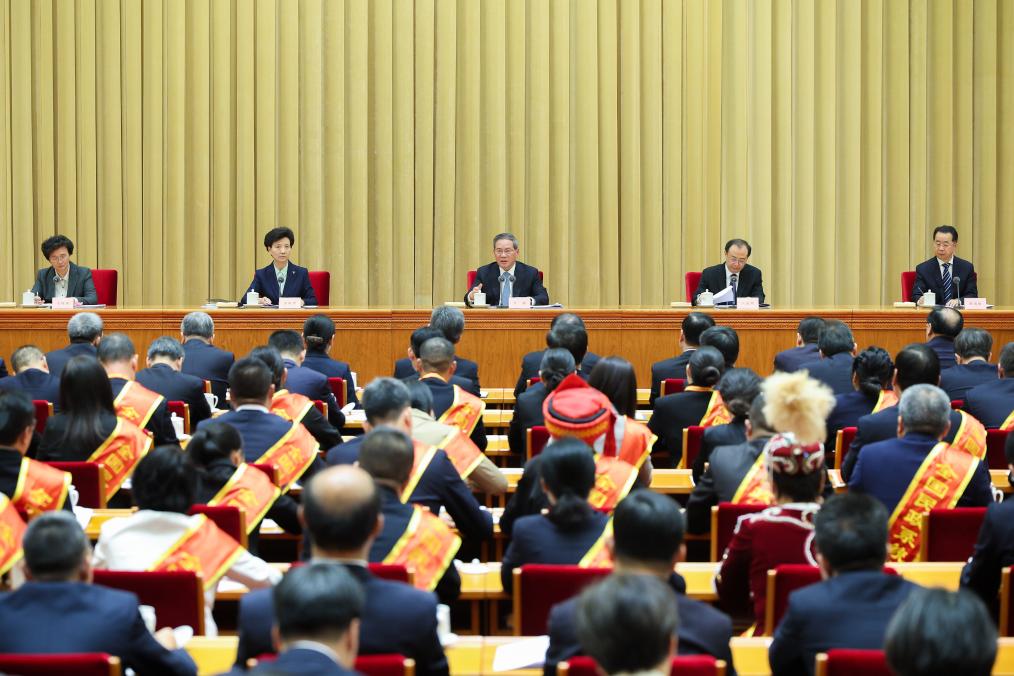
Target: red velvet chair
(851, 662)
(685, 665)
(531, 381)
(950, 534)
(724, 516)
(337, 386)
(227, 517)
(995, 456)
(385, 665)
(692, 438)
(957, 404)
(691, 280)
(672, 386)
(536, 439)
(43, 410)
(178, 597)
(87, 479)
(538, 587)
(842, 441)
(781, 582)
(320, 406)
(182, 410)
(392, 571)
(320, 280)
(106, 282)
(907, 282)
(79, 664)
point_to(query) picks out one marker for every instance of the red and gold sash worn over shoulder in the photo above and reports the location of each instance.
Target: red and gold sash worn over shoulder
(615, 475)
(204, 549)
(971, 436)
(427, 548)
(465, 411)
(716, 413)
(251, 491)
(423, 457)
(291, 455)
(755, 488)
(120, 453)
(12, 529)
(137, 403)
(462, 452)
(290, 405)
(598, 556)
(40, 488)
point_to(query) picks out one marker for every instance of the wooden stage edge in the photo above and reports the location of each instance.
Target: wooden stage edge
(371, 339)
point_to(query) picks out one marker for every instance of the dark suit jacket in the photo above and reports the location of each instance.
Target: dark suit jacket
(207, 362)
(313, 384)
(37, 383)
(297, 283)
(259, 432)
(944, 347)
(792, 359)
(526, 283)
(302, 662)
(397, 618)
(531, 362)
(527, 414)
(878, 427)
(440, 485)
(671, 414)
(466, 369)
(849, 610)
(443, 397)
(673, 367)
(719, 483)
(732, 434)
(57, 359)
(703, 630)
(332, 368)
(176, 386)
(73, 617)
(994, 552)
(927, 278)
(848, 409)
(991, 403)
(957, 380)
(536, 539)
(834, 371)
(159, 424)
(79, 284)
(749, 282)
(52, 446)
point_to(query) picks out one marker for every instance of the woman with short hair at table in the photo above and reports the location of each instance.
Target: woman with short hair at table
(282, 278)
(63, 279)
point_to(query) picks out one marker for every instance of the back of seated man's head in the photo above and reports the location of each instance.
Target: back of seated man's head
(694, 324)
(925, 409)
(851, 533)
(115, 348)
(810, 329)
(250, 381)
(289, 343)
(84, 327)
(725, 340)
(197, 325)
(450, 321)
(566, 318)
(571, 337)
(271, 358)
(973, 343)
(1007, 361)
(628, 623)
(647, 532)
(385, 400)
(164, 481)
(165, 348)
(936, 632)
(945, 321)
(387, 455)
(421, 335)
(341, 508)
(320, 602)
(56, 549)
(422, 396)
(835, 339)
(436, 355)
(17, 417)
(27, 357)
(917, 364)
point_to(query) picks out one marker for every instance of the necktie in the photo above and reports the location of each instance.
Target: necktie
(948, 292)
(506, 281)
(732, 282)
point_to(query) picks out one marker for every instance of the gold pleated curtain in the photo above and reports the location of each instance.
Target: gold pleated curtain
(623, 141)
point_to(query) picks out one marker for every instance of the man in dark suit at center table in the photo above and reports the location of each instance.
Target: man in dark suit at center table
(506, 277)
(165, 360)
(203, 359)
(745, 279)
(941, 274)
(450, 322)
(85, 331)
(32, 375)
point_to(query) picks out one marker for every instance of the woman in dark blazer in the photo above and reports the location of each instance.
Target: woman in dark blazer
(279, 243)
(673, 412)
(57, 250)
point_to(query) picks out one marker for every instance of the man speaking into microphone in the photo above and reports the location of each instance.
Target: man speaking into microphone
(735, 273)
(506, 277)
(949, 277)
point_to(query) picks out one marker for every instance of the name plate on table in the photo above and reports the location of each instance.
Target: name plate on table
(748, 303)
(290, 303)
(975, 304)
(63, 303)
(519, 303)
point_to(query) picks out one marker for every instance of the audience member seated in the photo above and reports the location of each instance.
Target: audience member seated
(628, 625)
(993, 403)
(317, 619)
(450, 321)
(437, 483)
(938, 632)
(452, 404)
(697, 404)
(32, 375)
(85, 331)
(302, 380)
(420, 336)
(318, 334)
(132, 400)
(738, 387)
(33, 487)
(342, 514)
(557, 364)
(202, 358)
(648, 540)
(163, 488)
(615, 378)
(779, 534)
(871, 377)
(532, 361)
(59, 610)
(973, 348)
(571, 532)
(837, 349)
(725, 340)
(163, 376)
(943, 324)
(388, 456)
(806, 350)
(63, 279)
(856, 600)
(994, 550)
(691, 328)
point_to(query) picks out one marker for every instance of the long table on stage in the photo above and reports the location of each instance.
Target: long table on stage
(372, 339)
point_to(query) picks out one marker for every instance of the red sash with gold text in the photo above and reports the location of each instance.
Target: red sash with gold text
(462, 452)
(637, 443)
(290, 405)
(886, 399)
(755, 489)
(137, 403)
(971, 436)
(717, 413)
(204, 549)
(465, 412)
(426, 548)
(598, 556)
(613, 480)
(251, 491)
(40, 488)
(120, 453)
(423, 456)
(12, 528)
(291, 455)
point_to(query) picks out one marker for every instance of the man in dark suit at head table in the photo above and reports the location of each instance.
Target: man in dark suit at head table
(745, 279)
(530, 362)
(506, 277)
(63, 279)
(165, 359)
(808, 335)
(941, 273)
(203, 359)
(837, 349)
(32, 375)
(993, 403)
(85, 331)
(943, 324)
(450, 322)
(693, 325)
(973, 348)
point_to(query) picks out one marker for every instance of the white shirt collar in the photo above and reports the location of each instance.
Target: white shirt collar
(252, 407)
(940, 264)
(64, 278)
(728, 276)
(509, 270)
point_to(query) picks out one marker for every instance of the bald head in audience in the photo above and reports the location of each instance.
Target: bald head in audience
(341, 512)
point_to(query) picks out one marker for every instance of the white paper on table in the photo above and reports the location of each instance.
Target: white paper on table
(356, 415)
(227, 585)
(347, 408)
(83, 516)
(530, 652)
(724, 296)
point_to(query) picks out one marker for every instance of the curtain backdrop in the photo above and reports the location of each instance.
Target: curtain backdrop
(623, 141)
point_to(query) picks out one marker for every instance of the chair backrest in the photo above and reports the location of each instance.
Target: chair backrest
(950, 534)
(337, 386)
(692, 438)
(79, 664)
(995, 456)
(320, 406)
(691, 280)
(907, 282)
(178, 597)
(536, 439)
(320, 280)
(724, 517)
(538, 587)
(1006, 607)
(471, 279)
(229, 518)
(842, 441)
(87, 479)
(43, 409)
(957, 404)
(782, 581)
(182, 410)
(385, 665)
(673, 386)
(682, 665)
(106, 281)
(842, 662)
(531, 381)
(394, 572)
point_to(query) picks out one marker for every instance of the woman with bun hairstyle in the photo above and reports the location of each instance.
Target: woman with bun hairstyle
(738, 388)
(872, 370)
(615, 378)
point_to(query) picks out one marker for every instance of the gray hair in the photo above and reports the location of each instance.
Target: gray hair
(25, 357)
(198, 324)
(165, 346)
(384, 399)
(506, 235)
(925, 409)
(115, 347)
(84, 326)
(449, 320)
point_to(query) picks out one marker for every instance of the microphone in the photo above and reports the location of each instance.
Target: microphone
(957, 289)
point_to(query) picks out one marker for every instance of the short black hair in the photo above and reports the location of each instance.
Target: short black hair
(568, 468)
(318, 331)
(249, 379)
(214, 441)
(422, 396)
(615, 378)
(1007, 360)
(166, 346)
(384, 399)
(566, 318)
(276, 234)
(341, 530)
(725, 340)
(647, 527)
(946, 230)
(55, 546)
(557, 363)
(436, 354)
(449, 320)
(115, 347)
(571, 337)
(936, 632)
(317, 601)
(421, 335)
(873, 369)
(945, 321)
(17, 413)
(739, 387)
(851, 532)
(706, 366)
(287, 341)
(272, 358)
(739, 242)
(387, 453)
(51, 244)
(810, 329)
(798, 487)
(972, 342)
(164, 481)
(836, 338)
(917, 364)
(693, 325)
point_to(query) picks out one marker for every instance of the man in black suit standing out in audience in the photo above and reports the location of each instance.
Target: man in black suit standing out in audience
(85, 331)
(941, 273)
(943, 324)
(837, 350)
(993, 403)
(693, 325)
(806, 350)
(203, 359)
(165, 359)
(32, 375)
(973, 348)
(530, 362)
(506, 277)
(736, 272)
(450, 322)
